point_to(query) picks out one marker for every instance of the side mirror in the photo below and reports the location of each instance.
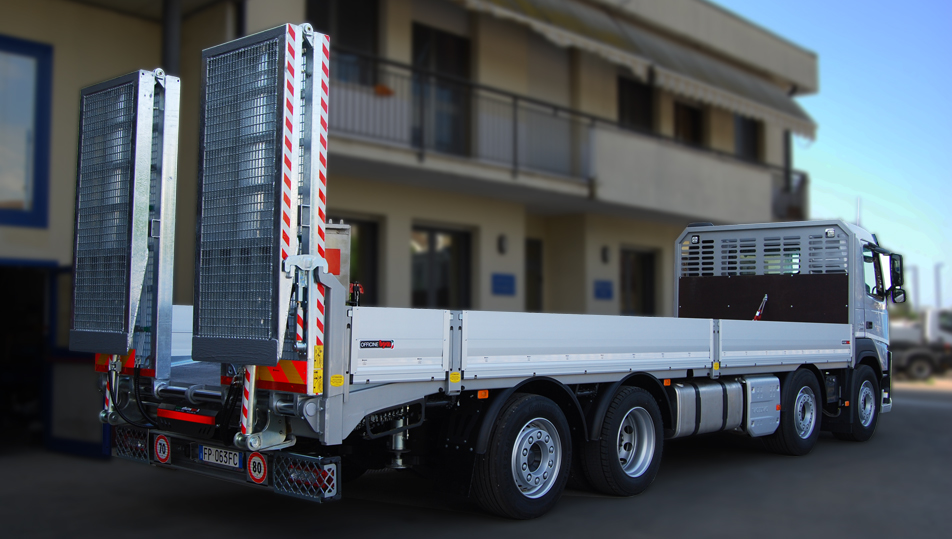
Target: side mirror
(895, 265)
(898, 295)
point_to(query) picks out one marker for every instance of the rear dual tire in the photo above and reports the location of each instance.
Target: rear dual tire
(625, 459)
(524, 471)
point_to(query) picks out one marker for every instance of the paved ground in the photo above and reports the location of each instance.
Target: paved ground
(896, 485)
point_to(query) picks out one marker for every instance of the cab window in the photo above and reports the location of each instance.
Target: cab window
(945, 321)
(871, 275)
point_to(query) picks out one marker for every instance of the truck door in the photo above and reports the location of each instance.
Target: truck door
(875, 323)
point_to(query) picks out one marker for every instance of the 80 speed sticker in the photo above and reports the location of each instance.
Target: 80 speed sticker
(258, 468)
(163, 451)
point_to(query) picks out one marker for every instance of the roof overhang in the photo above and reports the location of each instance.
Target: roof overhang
(678, 69)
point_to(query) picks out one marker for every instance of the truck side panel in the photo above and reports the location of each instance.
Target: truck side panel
(500, 344)
(746, 344)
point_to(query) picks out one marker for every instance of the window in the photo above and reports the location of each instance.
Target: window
(440, 268)
(871, 276)
(363, 258)
(441, 120)
(747, 138)
(945, 321)
(352, 25)
(637, 283)
(635, 105)
(688, 124)
(533, 276)
(25, 86)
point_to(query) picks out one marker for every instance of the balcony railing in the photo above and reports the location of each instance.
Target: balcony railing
(790, 195)
(389, 102)
(384, 101)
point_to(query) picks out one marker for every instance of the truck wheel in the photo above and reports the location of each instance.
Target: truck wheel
(800, 411)
(626, 457)
(865, 402)
(524, 471)
(919, 368)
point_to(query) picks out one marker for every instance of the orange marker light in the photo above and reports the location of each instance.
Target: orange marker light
(778, 407)
(847, 403)
(482, 394)
(667, 381)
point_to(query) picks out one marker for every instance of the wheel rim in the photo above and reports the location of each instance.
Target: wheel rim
(536, 458)
(805, 410)
(636, 442)
(867, 403)
(920, 369)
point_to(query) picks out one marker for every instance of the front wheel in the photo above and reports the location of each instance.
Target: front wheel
(625, 459)
(800, 411)
(865, 403)
(524, 471)
(919, 368)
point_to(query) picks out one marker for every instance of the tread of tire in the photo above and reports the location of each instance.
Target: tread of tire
(486, 495)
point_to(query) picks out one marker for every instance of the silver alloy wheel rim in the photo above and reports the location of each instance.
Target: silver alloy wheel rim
(536, 458)
(805, 410)
(636, 442)
(867, 403)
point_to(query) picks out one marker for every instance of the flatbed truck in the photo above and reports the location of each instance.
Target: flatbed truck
(279, 379)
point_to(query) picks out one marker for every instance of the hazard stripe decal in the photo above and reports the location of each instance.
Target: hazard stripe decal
(182, 416)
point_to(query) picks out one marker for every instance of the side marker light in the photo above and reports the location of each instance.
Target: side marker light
(482, 394)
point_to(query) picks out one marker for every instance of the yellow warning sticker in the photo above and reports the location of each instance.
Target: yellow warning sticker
(454, 377)
(337, 380)
(717, 365)
(318, 375)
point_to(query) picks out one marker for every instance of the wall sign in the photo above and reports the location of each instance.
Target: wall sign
(504, 284)
(603, 290)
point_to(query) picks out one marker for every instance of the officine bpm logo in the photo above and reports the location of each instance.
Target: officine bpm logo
(376, 344)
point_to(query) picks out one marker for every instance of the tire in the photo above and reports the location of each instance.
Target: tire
(530, 437)
(919, 368)
(625, 459)
(800, 412)
(865, 405)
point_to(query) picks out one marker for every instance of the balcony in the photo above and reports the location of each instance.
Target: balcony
(395, 105)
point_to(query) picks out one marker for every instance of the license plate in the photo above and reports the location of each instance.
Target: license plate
(221, 457)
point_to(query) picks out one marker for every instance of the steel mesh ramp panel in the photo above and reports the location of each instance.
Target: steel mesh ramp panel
(112, 205)
(238, 290)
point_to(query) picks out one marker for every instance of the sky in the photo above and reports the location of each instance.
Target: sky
(884, 111)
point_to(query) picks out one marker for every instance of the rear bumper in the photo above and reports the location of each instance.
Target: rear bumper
(313, 478)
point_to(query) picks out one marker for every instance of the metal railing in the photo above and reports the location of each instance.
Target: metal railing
(389, 102)
(790, 195)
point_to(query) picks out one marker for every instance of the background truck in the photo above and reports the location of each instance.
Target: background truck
(922, 347)
(276, 377)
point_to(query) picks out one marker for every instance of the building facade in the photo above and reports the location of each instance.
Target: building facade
(538, 155)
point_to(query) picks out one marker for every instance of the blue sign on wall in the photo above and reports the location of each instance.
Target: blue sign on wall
(504, 284)
(603, 290)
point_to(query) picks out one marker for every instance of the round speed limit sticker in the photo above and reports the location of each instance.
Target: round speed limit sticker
(162, 450)
(257, 468)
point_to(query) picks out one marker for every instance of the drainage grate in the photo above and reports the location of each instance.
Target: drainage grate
(311, 478)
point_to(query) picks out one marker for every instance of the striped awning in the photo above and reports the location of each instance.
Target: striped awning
(678, 69)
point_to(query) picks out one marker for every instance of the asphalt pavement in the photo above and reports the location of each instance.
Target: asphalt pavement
(896, 485)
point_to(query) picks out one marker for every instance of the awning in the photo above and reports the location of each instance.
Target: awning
(678, 69)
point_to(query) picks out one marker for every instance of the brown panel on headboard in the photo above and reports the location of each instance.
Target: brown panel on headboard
(791, 298)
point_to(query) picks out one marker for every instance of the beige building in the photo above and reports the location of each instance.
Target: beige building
(490, 154)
